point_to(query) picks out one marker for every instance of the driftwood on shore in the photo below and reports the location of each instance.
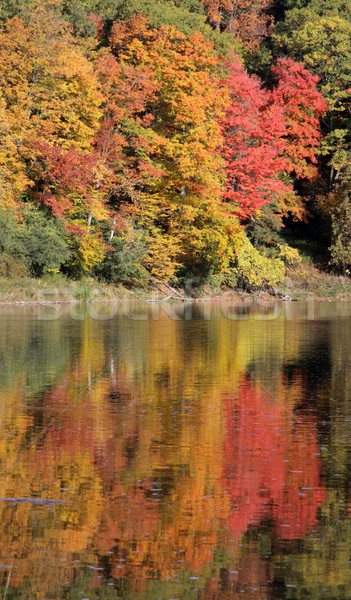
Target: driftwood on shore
(274, 292)
(175, 295)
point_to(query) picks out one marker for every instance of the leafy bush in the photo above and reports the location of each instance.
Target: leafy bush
(10, 244)
(197, 285)
(264, 227)
(340, 249)
(124, 262)
(43, 241)
(37, 244)
(255, 270)
(12, 267)
(289, 256)
(87, 252)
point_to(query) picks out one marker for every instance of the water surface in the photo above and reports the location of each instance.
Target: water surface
(175, 452)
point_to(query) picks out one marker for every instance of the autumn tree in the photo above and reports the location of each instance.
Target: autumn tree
(269, 135)
(72, 186)
(13, 177)
(254, 131)
(319, 34)
(47, 83)
(303, 106)
(164, 101)
(248, 20)
(322, 41)
(51, 113)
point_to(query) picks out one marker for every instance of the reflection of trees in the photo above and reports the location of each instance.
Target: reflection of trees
(272, 465)
(36, 351)
(157, 442)
(322, 564)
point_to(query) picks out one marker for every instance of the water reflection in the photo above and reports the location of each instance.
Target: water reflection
(203, 457)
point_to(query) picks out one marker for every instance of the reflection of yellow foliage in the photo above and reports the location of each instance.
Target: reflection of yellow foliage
(131, 437)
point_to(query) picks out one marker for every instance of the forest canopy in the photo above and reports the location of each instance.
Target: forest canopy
(166, 139)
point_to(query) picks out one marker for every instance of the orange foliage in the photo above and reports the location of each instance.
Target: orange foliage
(161, 126)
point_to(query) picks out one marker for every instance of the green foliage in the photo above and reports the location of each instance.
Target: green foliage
(228, 279)
(10, 243)
(38, 244)
(77, 13)
(10, 8)
(255, 270)
(265, 226)
(187, 16)
(199, 285)
(320, 7)
(340, 248)
(43, 241)
(323, 44)
(342, 8)
(124, 263)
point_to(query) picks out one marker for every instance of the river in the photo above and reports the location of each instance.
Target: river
(196, 451)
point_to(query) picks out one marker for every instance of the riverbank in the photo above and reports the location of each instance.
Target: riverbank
(305, 282)
(308, 282)
(62, 290)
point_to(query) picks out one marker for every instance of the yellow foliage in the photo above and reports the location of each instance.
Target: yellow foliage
(258, 270)
(13, 178)
(180, 166)
(161, 258)
(289, 256)
(49, 86)
(91, 250)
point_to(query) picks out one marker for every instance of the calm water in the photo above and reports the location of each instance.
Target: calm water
(175, 452)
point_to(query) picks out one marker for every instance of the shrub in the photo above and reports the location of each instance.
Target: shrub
(289, 256)
(255, 270)
(124, 262)
(340, 249)
(38, 243)
(10, 242)
(12, 267)
(43, 241)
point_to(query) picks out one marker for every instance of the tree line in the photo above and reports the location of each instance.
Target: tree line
(170, 139)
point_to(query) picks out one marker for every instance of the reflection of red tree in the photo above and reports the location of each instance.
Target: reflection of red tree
(272, 466)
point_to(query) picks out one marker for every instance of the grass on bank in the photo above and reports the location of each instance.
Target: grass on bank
(307, 281)
(309, 276)
(301, 283)
(58, 288)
